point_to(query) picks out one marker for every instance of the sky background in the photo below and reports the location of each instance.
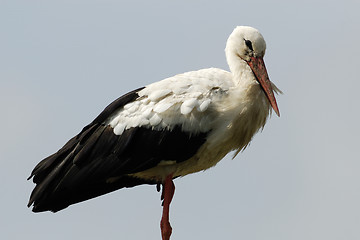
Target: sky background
(62, 62)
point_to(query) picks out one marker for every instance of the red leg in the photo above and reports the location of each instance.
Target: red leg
(167, 195)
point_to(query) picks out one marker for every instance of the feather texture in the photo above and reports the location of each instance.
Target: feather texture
(98, 161)
(174, 127)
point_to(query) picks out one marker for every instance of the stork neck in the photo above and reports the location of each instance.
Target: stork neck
(242, 73)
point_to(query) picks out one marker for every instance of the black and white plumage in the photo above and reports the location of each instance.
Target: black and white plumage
(174, 127)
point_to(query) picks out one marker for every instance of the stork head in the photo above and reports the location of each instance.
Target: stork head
(246, 42)
(247, 45)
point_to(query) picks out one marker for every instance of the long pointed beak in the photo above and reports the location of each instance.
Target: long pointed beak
(257, 65)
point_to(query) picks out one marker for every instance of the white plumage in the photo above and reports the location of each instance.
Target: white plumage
(200, 101)
(178, 100)
(171, 128)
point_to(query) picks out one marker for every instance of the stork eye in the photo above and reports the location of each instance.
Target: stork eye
(249, 44)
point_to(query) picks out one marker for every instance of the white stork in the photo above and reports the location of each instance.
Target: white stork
(168, 129)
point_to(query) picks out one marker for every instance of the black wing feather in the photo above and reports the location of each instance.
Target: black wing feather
(81, 169)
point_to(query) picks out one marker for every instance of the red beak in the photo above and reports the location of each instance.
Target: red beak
(257, 65)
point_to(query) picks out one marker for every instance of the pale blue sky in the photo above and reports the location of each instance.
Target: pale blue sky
(62, 62)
